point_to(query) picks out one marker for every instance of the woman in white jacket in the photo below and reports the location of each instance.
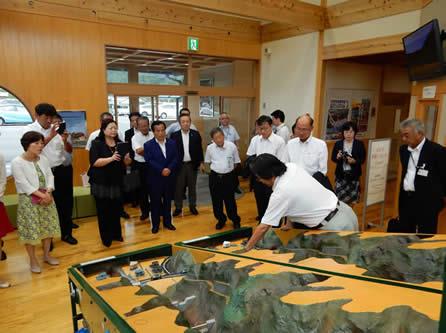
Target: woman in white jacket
(37, 220)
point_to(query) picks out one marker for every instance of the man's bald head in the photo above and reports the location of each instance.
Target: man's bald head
(304, 126)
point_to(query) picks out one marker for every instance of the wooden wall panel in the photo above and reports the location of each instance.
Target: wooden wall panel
(62, 61)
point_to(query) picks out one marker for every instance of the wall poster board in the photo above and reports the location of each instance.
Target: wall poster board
(344, 105)
(376, 174)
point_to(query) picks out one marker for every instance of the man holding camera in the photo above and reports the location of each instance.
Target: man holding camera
(54, 150)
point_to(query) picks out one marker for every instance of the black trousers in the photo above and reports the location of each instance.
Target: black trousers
(63, 197)
(261, 194)
(222, 188)
(160, 200)
(414, 217)
(109, 219)
(186, 177)
(143, 192)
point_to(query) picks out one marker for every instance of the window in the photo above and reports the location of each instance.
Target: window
(13, 117)
(161, 78)
(117, 76)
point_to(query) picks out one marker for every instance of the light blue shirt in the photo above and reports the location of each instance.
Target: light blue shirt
(231, 133)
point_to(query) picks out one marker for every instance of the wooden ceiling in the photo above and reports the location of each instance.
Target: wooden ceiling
(120, 57)
(244, 20)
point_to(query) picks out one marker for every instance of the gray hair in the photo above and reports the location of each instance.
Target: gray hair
(416, 124)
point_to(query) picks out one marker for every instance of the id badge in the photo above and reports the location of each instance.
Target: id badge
(423, 172)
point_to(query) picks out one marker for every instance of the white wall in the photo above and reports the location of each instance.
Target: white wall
(288, 76)
(436, 9)
(386, 26)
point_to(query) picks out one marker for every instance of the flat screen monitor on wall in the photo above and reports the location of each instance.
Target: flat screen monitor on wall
(424, 52)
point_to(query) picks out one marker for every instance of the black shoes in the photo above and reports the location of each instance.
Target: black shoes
(124, 215)
(236, 225)
(238, 190)
(155, 230)
(144, 217)
(177, 212)
(70, 240)
(75, 226)
(220, 225)
(170, 227)
(193, 210)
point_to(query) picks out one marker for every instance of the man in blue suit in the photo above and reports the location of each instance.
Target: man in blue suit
(161, 155)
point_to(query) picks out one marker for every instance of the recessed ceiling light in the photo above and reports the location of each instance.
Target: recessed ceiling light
(170, 58)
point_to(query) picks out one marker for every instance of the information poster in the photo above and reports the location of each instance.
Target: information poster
(76, 126)
(348, 105)
(377, 165)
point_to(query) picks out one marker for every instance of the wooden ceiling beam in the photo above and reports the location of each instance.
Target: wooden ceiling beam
(293, 12)
(357, 11)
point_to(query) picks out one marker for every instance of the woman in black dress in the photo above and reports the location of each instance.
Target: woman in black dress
(107, 169)
(349, 155)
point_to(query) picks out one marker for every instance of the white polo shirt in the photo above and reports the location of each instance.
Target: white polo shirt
(230, 133)
(94, 135)
(274, 145)
(283, 131)
(312, 155)
(54, 151)
(300, 197)
(222, 159)
(138, 141)
(409, 179)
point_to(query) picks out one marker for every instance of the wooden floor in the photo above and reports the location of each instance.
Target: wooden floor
(40, 303)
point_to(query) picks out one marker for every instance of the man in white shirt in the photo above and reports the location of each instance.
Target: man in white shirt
(299, 197)
(423, 186)
(174, 127)
(229, 131)
(279, 127)
(93, 135)
(54, 152)
(265, 142)
(222, 156)
(308, 152)
(141, 136)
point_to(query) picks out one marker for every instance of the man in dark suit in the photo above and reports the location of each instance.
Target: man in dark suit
(133, 117)
(423, 181)
(190, 154)
(161, 155)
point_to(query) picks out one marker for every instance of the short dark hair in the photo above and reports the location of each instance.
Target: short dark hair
(45, 109)
(184, 115)
(279, 114)
(134, 114)
(216, 130)
(264, 119)
(58, 116)
(157, 123)
(30, 137)
(105, 114)
(308, 116)
(267, 166)
(104, 125)
(182, 110)
(141, 119)
(349, 125)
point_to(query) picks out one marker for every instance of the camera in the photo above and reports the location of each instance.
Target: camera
(345, 155)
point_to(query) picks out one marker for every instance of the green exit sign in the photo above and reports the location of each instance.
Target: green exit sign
(192, 44)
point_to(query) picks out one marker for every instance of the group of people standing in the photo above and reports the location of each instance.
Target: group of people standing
(165, 166)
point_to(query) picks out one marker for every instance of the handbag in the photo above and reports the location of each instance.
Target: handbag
(394, 225)
(35, 200)
(131, 181)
